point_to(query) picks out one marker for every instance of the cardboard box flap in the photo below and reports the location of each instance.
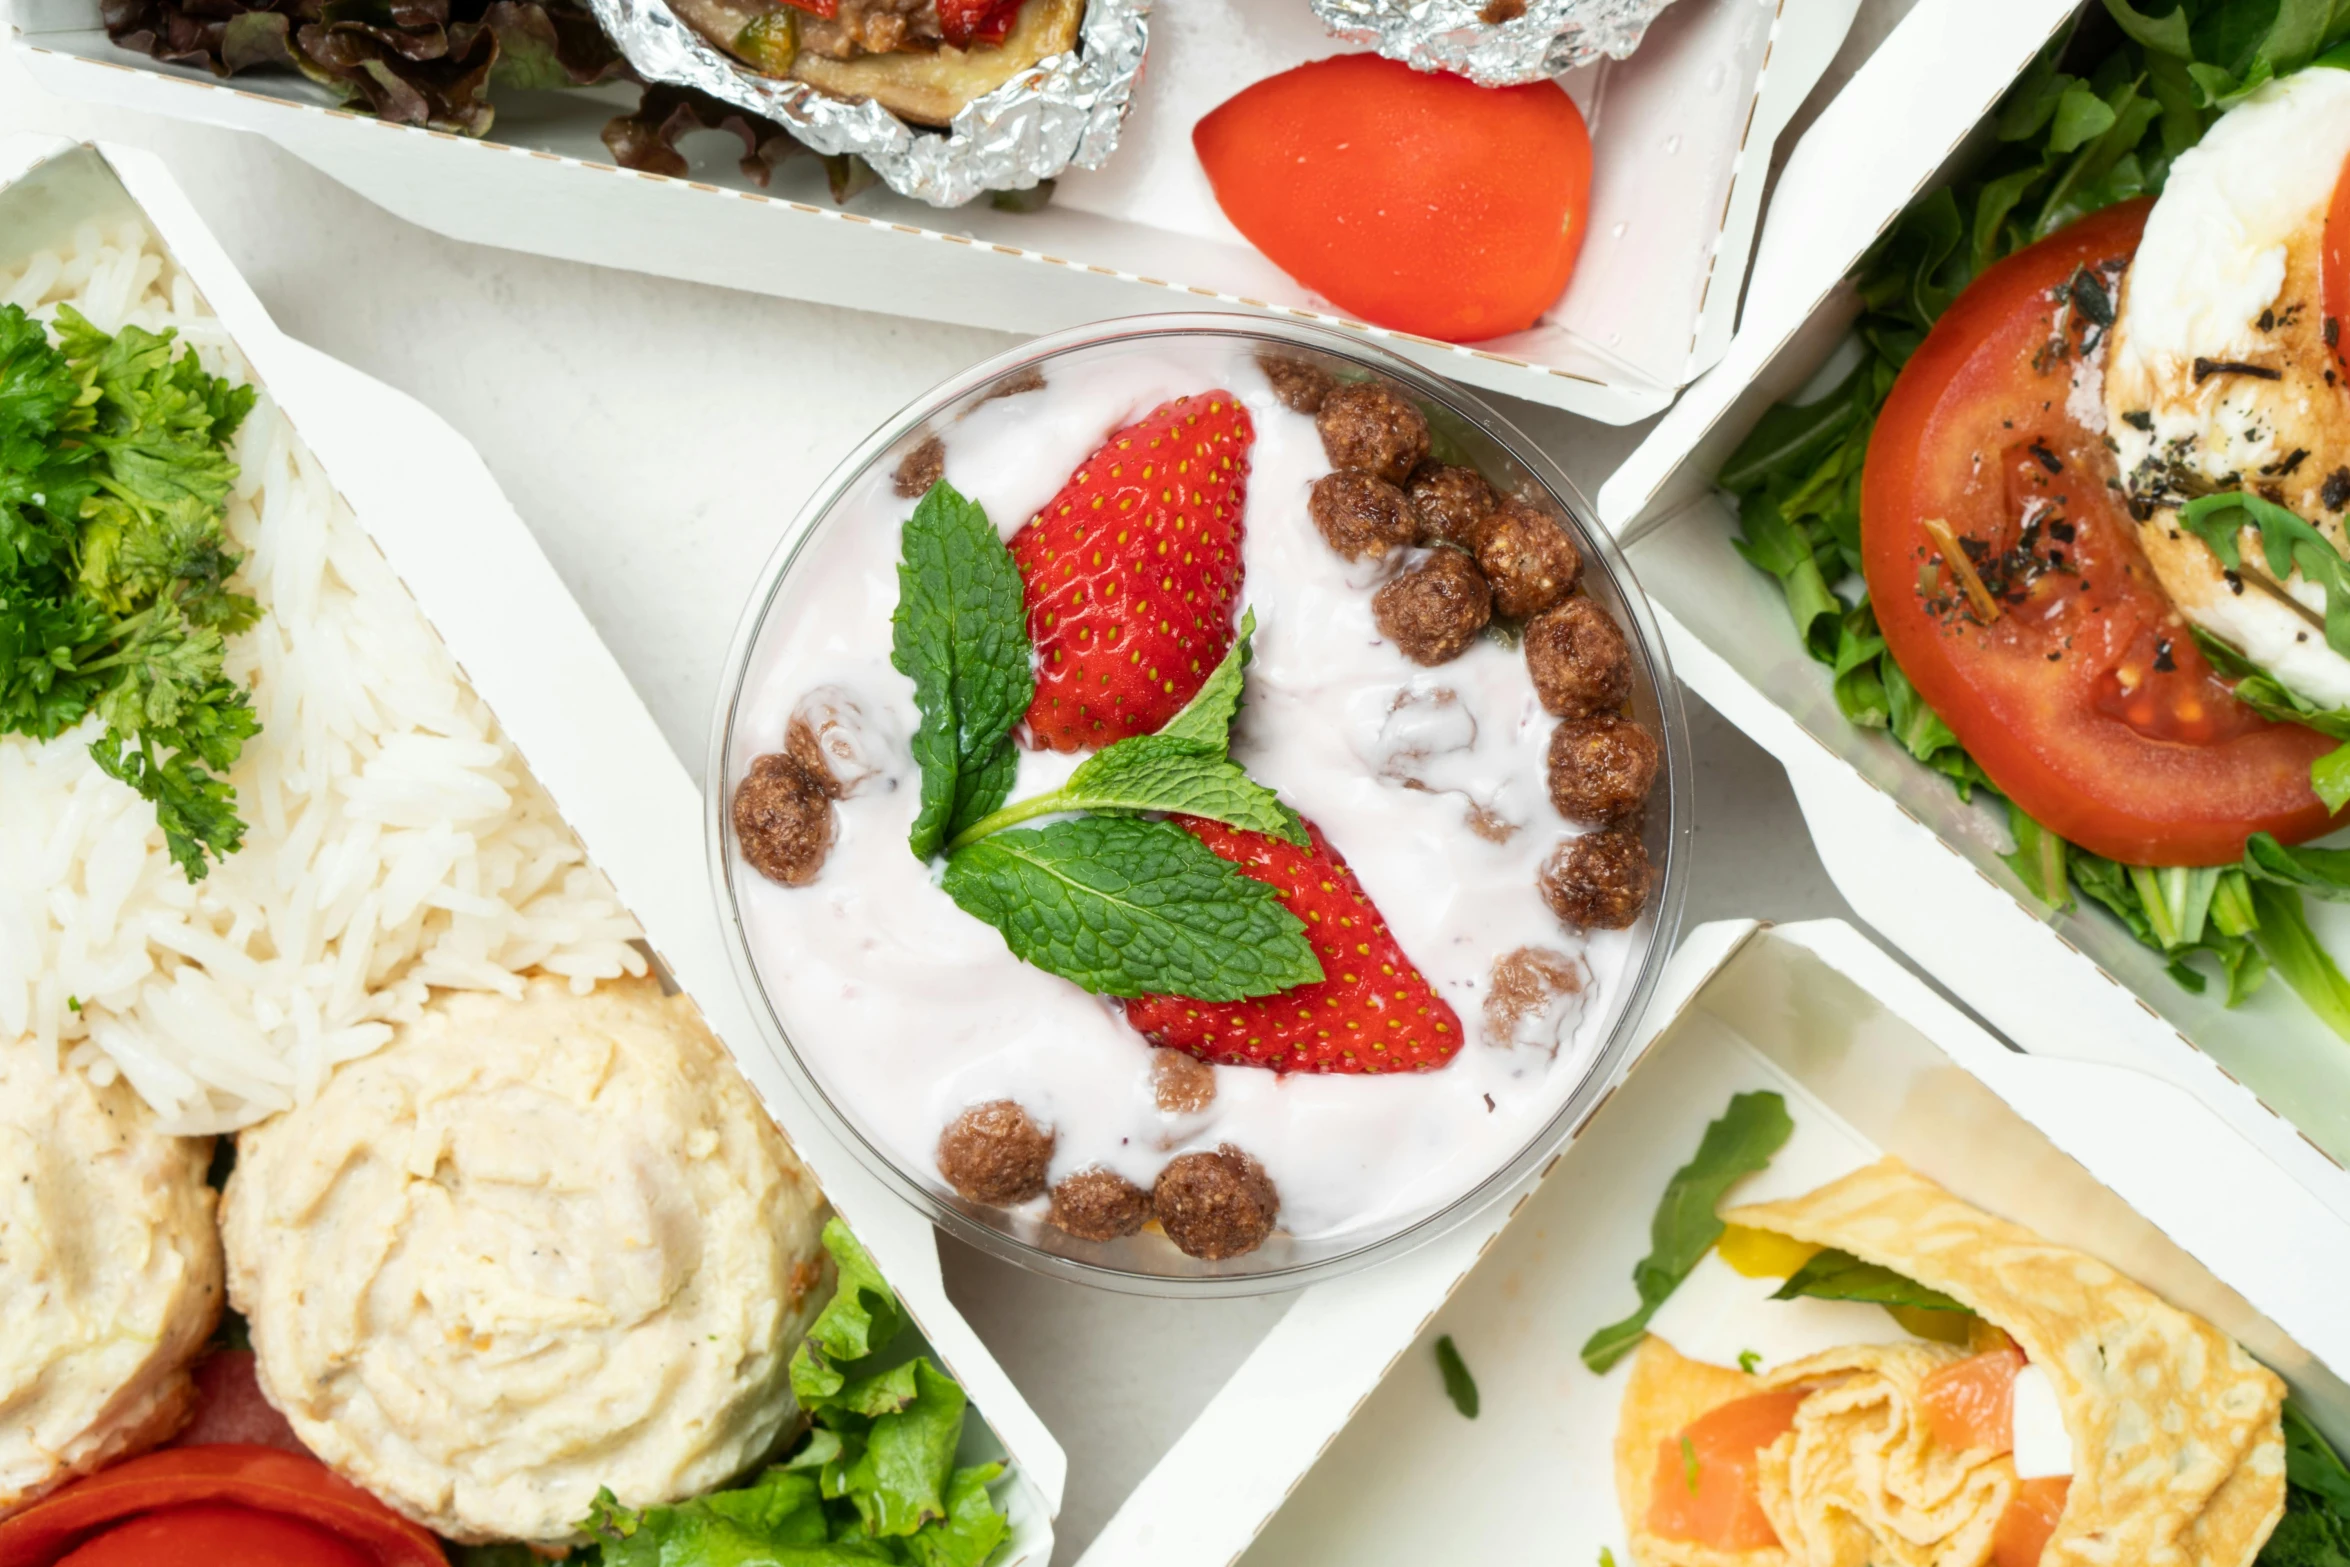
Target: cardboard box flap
(1684, 133)
(1887, 136)
(431, 506)
(2104, 1159)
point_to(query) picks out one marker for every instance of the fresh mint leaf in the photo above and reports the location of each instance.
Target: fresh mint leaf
(1459, 1386)
(1206, 720)
(1737, 1144)
(1153, 773)
(1124, 907)
(1839, 1275)
(960, 634)
(1182, 769)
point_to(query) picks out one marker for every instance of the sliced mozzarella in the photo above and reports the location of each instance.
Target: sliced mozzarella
(2229, 275)
(1719, 1314)
(2043, 1448)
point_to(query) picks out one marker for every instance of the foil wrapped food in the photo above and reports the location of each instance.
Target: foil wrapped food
(1065, 111)
(1494, 43)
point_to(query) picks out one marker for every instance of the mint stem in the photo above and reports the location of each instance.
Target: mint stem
(1010, 816)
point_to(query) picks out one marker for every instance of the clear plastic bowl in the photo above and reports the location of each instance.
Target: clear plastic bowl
(1147, 1263)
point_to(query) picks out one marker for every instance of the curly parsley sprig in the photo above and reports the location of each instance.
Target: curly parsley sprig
(114, 568)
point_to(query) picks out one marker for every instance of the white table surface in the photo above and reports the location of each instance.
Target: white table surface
(655, 434)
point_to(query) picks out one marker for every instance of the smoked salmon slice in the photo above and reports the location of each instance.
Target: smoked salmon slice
(1704, 1490)
(1971, 1403)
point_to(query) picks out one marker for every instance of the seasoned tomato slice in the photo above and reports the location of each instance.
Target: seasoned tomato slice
(2050, 649)
(1704, 1487)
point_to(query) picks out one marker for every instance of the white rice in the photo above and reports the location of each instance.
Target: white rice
(395, 841)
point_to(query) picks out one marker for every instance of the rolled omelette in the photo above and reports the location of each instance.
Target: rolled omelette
(2178, 1446)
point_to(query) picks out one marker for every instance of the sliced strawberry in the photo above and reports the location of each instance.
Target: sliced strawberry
(1132, 573)
(1371, 1011)
(965, 22)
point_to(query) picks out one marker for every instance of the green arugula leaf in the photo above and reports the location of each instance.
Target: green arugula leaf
(2039, 860)
(2311, 1462)
(2315, 1531)
(2257, 689)
(1125, 907)
(1839, 1275)
(1459, 1386)
(2288, 544)
(2292, 949)
(1737, 1144)
(2324, 873)
(960, 634)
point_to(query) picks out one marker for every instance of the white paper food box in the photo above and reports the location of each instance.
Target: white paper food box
(1916, 862)
(1870, 1060)
(431, 506)
(1682, 143)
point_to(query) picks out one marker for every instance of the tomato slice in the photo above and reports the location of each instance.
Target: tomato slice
(1704, 1487)
(2023, 1529)
(2084, 698)
(256, 1479)
(1971, 1403)
(210, 1534)
(2335, 256)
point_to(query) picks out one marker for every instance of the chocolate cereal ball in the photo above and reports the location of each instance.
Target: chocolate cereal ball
(993, 1153)
(783, 820)
(1434, 611)
(1528, 558)
(1371, 426)
(1215, 1205)
(1601, 768)
(1579, 659)
(1359, 516)
(1099, 1205)
(1302, 387)
(1181, 1084)
(1450, 503)
(921, 468)
(1599, 881)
